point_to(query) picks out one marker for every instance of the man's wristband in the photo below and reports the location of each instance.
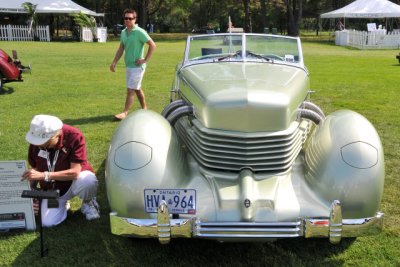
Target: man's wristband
(47, 176)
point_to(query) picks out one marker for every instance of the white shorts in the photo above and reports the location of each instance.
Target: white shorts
(85, 187)
(134, 77)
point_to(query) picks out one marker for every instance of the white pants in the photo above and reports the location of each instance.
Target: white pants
(134, 77)
(85, 186)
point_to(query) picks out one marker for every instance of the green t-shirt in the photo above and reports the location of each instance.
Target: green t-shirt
(134, 45)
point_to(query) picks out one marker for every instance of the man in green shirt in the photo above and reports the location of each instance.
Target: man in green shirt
(132, 42)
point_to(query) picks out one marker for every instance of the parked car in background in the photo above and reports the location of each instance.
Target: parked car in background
(205, 29)
(117, 29)
(241, 153)
(11, 69)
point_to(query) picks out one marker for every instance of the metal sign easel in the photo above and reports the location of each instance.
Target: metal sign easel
(40, 195)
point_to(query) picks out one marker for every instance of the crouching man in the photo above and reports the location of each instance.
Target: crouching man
(57, 155)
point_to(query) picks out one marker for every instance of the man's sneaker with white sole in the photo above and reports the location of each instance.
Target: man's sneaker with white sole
(91, 209)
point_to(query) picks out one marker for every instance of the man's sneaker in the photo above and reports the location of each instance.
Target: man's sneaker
(91, 209)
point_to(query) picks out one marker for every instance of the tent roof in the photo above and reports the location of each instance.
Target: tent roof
(45, 6)
(366, 9)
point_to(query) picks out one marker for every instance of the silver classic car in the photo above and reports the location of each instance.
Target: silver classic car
(241, 153)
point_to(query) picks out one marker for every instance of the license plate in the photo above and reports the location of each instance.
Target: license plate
(179, 201)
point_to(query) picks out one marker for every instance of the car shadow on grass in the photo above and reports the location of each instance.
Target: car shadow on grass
(89, 120)
(286, 252)
(92, 244)
(77, 242)
(5, 90)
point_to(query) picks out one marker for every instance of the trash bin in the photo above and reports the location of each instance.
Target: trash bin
(266, 30)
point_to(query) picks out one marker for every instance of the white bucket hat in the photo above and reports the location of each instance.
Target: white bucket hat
(43, 127)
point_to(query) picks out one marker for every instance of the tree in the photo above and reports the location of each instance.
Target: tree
(142, 10)
(170, 15)
(263, 13)
(247, 16)
(294, 11)
(152, 8)
(184, 15)
(84, 20)
(30, 9)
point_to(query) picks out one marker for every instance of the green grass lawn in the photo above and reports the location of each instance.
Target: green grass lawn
(73, 82)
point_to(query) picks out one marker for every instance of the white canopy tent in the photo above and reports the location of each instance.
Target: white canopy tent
(366, 9)
(46, 6)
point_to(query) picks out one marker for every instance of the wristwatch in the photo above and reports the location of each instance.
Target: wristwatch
(47, 176)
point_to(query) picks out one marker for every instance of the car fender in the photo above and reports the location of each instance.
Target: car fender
(345, 161)
(144, 153)
(7, 68)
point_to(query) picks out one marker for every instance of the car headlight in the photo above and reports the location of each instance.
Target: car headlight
(132, 155)
(360, 155)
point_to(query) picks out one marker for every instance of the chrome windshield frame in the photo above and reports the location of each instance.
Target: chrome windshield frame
(244, 38)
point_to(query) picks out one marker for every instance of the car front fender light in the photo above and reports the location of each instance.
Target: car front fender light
(360, 155)
(132, 155)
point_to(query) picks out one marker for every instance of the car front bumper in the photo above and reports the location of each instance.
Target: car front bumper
(165, 228)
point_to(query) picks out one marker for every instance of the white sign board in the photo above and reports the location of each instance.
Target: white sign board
(371, 26)
(15, 212)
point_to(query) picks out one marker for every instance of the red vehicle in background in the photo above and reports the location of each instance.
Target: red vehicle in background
(11, 69)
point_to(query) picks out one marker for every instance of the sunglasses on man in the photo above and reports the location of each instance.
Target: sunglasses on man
(127, 18)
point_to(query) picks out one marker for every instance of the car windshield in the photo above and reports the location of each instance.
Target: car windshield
(243, 47)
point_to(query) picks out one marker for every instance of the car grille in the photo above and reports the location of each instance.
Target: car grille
(233, 151)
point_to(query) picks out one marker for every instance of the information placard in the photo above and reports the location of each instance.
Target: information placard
(371, 26)
(15, 212)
